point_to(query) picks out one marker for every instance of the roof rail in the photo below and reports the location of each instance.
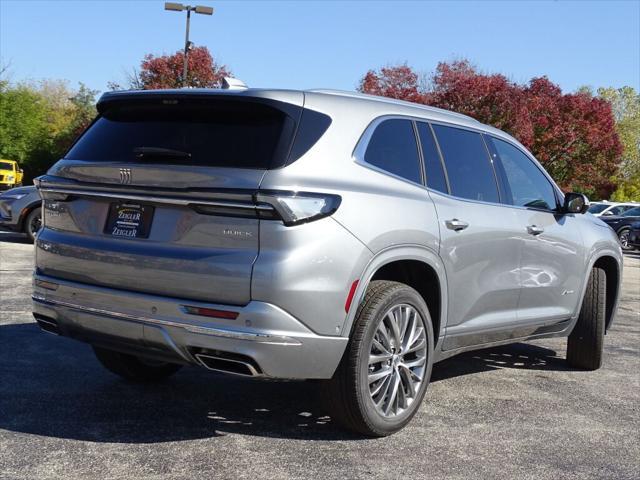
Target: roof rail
(377, 98)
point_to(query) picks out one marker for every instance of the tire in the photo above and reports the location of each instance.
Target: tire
(584, 346)
(351, 395)
(135, 368)
(32, 223)
(623, 238)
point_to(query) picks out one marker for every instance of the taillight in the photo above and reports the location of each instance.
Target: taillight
(295, 208)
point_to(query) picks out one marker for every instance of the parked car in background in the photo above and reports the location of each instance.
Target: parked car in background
(600, 209)
(10, 174)
(621, 224)
(20, 210)
(313, 235)
(634, 235)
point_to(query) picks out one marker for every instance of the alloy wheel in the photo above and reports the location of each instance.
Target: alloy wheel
(624, 239)
(397, 360)
(35, 224)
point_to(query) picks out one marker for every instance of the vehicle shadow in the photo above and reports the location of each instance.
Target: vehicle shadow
(13, 237)
(54, 387)
(518, 355)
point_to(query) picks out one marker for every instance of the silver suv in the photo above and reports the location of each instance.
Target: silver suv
(313, 235)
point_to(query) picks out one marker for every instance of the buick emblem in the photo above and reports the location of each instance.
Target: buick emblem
(125, 176)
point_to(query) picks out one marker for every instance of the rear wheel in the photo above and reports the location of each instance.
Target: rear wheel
(584, 346)
(135, 368)
(623, 237)
(32, 223)
(383, 376)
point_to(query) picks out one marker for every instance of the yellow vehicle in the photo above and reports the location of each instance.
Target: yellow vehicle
(10, 174)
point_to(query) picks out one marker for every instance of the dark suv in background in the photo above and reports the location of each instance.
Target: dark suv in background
(621, 224)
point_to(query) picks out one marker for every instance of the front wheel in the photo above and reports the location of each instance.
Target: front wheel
(134, 368)
(32, 223)
(383, 376)
(585, 344)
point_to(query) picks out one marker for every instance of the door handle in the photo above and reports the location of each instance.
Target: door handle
(534, 229)
(456, 225)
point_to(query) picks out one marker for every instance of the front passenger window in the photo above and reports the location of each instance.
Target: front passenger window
(529, 186)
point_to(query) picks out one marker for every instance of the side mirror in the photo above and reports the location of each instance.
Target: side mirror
(575, 203)
(608, 213)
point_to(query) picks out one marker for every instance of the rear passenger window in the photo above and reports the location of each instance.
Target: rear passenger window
(529, 186)
(393, 148)
(432, 162)
(468, 165)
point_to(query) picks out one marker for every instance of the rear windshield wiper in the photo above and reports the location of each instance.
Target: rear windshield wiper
(155, 152)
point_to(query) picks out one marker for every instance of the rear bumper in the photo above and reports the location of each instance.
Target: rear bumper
(274, 342)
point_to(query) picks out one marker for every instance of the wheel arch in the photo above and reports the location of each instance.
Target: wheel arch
(413, 265)
(24, 213)
(613, 272)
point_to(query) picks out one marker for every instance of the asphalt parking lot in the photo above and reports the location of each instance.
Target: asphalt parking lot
(508, 412)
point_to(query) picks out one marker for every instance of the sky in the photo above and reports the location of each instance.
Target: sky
(330, 44)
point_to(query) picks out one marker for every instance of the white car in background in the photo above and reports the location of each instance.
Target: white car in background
(605, 208)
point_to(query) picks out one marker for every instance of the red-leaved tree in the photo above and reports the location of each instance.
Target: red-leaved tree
(165, 71)
(572, 135)
(399, 82)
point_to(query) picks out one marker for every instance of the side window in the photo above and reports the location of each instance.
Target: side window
(468, 165)
(432, 163)
(529, 187)
(617, 210)
(393, 148)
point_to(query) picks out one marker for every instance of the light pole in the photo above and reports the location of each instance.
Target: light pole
(178, 7)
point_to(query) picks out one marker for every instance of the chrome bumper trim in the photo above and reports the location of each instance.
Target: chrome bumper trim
(213, 331)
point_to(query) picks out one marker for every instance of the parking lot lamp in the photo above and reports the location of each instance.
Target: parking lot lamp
(178, 7)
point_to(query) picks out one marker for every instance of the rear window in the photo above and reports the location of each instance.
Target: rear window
(212, 134)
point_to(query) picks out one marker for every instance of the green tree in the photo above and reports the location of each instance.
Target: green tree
(39, 121)
(625, 104)
(23, 120)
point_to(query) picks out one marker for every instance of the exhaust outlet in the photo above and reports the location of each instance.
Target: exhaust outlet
(235, 366)
(47, 324)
